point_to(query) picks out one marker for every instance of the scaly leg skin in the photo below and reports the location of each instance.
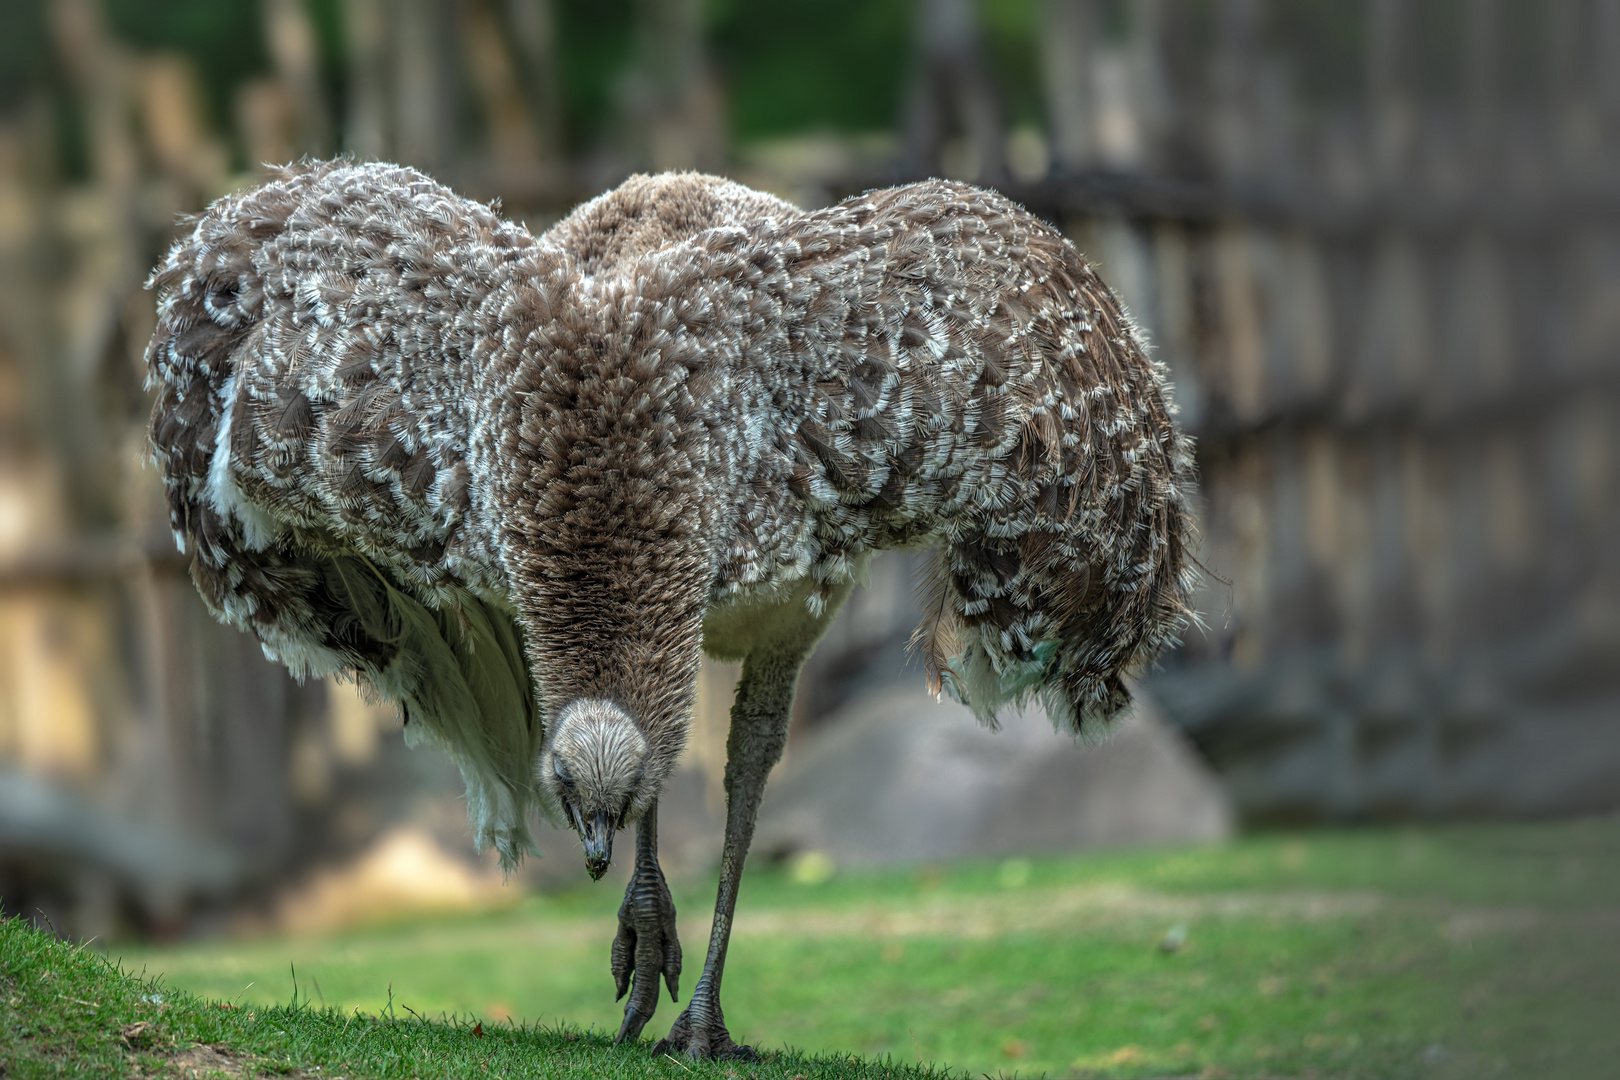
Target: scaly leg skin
(759, 722)
(646, 946)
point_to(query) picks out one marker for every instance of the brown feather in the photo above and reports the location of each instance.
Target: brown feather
(685, 398)
(935, 638)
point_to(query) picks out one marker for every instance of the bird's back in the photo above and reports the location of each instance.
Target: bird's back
(944, 370)
(609, 234)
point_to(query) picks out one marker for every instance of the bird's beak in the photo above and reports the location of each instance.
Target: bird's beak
(598, 838)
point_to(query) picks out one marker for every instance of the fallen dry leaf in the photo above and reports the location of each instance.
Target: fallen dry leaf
(139, 1035)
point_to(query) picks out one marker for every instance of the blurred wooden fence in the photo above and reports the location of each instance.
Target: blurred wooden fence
(1393, 320)
(1392, 314)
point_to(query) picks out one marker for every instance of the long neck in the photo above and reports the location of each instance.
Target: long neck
(608, 524)
(611, 614)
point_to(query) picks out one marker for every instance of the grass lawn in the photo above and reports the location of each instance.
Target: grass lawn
(1445, 953)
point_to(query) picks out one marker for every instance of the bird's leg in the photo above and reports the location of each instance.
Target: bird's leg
(759, 722)
(646, 946)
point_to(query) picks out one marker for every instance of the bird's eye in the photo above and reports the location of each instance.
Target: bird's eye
(564, 777)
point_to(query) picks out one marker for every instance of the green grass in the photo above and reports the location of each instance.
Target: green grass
(1478, 952)
(68, 1012)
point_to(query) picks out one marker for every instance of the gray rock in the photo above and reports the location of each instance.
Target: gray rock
(896, 777)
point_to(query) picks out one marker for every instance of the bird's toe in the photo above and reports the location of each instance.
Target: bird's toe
(703, 1040)
(644, 950)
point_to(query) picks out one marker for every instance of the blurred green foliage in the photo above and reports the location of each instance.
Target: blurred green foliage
(787, 66)
(810, 64)
(25, 58)
(594, 46)
(224, 41)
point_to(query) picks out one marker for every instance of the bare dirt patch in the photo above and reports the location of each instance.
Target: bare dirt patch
(204, 1061)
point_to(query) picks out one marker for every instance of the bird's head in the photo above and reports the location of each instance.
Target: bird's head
(595, 765)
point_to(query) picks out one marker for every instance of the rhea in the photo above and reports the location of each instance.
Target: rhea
(521, 485)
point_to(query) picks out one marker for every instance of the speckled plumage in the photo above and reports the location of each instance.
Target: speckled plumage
(685, 407)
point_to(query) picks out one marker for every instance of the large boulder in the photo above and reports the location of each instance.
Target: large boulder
(897, 777)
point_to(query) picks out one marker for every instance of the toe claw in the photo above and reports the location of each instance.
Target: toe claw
(621, 984)
(672, 964)
(624, 950)
(631, 1028)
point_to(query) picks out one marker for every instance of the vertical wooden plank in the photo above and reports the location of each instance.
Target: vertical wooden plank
(1393, 357)
(1394, 618)
(492, 72)
(79, 313)
(1268, 264)
(1511, 534)
(54, 727)
(1354, 578)
(1068, 43)
(1307, 308)
(368, 132)
(171, 114)
(1277, 126)
(1242, 323)
(534, 37)
(1596, 304)
(1471, 548)
(1474, 350)
(1593, 464)
(1175, 345)
(155, 783)
(1563, 557)
(1482, 75)
(1292, 598)
(1170, 81)
(1427, 515)
(1120, 255)
(1245, 496)
(1486, 328)
(1234, 129)
(951, 90)
(1392, 117)
(672, 103)
(291, 41)
(1606, 88)
(1324, 528)
(241, 726)
(422, 89)
(99, 72)
(1575, 120)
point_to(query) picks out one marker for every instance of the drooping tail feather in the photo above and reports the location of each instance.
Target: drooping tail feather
(936, 638)
(460, 674)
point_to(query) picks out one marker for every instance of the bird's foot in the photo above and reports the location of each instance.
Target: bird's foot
(703, 1039)
(645, 948)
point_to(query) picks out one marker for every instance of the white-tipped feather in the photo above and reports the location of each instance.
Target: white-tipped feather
(394, 427)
